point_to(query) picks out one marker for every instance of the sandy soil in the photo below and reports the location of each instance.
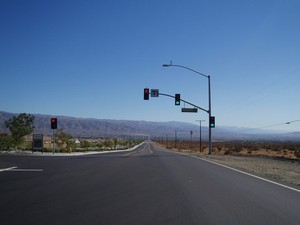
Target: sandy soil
(287, 171)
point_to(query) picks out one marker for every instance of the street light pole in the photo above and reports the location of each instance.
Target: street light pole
(209, 100)
(200, 141)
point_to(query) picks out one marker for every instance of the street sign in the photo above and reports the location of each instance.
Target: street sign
(154, 92)
(37, 143)
(192, 110)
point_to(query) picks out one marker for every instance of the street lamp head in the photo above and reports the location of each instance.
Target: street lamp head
(167, 65)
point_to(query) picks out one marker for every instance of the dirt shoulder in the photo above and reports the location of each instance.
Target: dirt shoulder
(286, 171)
(277, 161)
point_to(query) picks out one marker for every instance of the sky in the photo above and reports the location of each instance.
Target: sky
(93, 59)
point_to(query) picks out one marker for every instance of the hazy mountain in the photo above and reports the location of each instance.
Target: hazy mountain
(81, 127)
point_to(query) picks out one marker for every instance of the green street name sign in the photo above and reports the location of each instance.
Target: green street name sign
(192, 110)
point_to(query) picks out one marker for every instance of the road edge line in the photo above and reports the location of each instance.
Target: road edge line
(246, 173)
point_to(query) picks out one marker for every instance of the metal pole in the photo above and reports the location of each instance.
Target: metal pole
(209, 115)
(200, 139)
(175, 138)
(53, 141)
(209, 100)
(167, 140)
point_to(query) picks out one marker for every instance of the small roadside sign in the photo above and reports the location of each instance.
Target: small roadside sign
(154, 92)
(37, 142)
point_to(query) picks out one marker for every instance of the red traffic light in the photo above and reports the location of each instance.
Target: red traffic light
(146, 93)
(53, 123)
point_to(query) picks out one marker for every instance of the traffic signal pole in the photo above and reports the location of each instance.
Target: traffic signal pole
(209, 99)
(53, 140)
(171, 96)
(53, 127)
(177, 102)
(209, 116)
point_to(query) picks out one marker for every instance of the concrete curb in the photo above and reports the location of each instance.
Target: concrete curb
(30, 153)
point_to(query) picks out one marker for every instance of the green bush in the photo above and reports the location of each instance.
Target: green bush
(5, 142)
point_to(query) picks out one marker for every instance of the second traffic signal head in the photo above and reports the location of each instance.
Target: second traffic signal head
(177, 99)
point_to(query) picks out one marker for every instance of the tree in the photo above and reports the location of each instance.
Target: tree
(115, 143)
(5, 142)
(19, 127)
(65, 140)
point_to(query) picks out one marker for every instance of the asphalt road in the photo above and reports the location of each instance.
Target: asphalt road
(146, 186)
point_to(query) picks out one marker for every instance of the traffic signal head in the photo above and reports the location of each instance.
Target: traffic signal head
(146, 93)
(53, 123)
(177, 99)
(212, 121)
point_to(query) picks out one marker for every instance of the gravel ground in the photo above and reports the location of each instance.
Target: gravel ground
(287, 171)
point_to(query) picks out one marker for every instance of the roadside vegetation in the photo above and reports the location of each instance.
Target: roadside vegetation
(21, 128)
(288, 150)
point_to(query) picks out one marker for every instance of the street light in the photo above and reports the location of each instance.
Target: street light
(209, 100)
(200, 147)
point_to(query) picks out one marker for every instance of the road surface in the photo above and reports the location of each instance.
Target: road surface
(149, 185)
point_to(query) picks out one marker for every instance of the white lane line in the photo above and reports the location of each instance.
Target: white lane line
(16, 169)
(7, 169)
(249, 174)
(27, 170)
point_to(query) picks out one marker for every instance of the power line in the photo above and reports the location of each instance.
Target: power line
(257, 92)
(274, 125)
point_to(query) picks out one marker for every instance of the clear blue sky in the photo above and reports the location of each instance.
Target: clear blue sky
(92, 59)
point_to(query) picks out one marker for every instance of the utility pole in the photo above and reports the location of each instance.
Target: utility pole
(175, 138)
(200, 141)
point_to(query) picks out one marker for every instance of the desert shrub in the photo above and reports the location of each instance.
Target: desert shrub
(227, 152)
(285, 152)
(297, 153)
(238, 147)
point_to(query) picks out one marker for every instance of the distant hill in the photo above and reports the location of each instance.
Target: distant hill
(81, 127)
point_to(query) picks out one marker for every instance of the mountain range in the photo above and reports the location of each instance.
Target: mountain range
(86, 127)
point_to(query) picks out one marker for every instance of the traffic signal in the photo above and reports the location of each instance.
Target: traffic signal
(212, 121)
(146, 93)
(53, 123)
(177, 99)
